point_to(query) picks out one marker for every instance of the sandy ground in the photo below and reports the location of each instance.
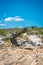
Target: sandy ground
(17, 56)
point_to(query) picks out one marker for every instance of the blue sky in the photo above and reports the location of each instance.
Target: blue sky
(21, 13)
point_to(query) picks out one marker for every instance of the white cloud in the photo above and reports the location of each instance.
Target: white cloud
(2, 24)
(16, 18)
(9, 19)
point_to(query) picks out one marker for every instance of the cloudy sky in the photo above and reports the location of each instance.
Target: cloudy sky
(21, 13)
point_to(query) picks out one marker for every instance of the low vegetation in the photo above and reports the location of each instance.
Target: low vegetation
(8, 41)
(6, 31)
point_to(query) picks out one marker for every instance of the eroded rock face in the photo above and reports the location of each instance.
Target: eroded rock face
(11, 56)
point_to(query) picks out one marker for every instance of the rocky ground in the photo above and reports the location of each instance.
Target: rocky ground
(26, 54)
(18, 56)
